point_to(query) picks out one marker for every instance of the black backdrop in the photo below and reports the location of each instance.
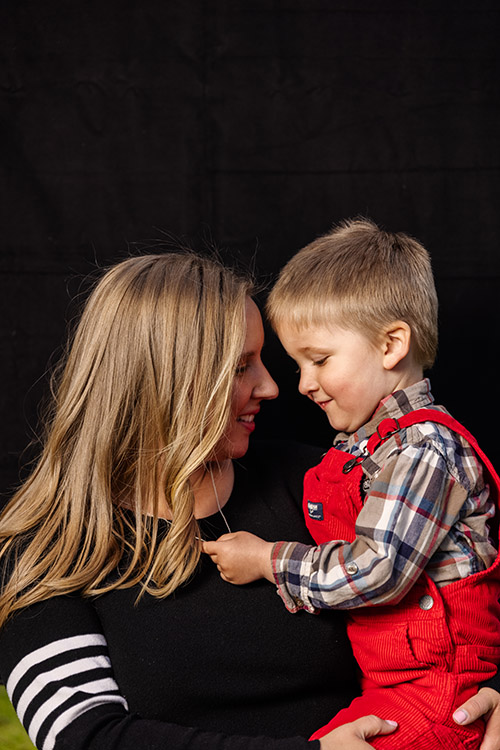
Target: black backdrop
(255, 125)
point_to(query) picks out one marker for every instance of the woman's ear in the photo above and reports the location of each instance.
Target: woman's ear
(396, 343)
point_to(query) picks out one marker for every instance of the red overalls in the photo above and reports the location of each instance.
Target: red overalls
(424, 656)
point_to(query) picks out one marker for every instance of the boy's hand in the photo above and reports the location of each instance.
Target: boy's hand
(241, 557)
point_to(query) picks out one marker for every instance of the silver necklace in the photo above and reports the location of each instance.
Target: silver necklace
(217, 500)
(218, 506)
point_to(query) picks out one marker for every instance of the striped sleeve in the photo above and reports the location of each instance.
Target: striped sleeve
(55, 664)
(54, 684)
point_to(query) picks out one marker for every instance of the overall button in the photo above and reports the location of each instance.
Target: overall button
(426, 602)
(351, 568)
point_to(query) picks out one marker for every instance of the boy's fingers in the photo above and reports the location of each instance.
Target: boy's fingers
(209, 548)
(226, 537)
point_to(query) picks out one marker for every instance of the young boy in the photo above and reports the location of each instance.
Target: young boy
(400, 507)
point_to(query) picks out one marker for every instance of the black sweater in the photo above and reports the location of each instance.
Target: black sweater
(227, 660)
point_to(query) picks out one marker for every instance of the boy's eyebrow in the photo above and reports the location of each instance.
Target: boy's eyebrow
(316, 349)
(307, 350)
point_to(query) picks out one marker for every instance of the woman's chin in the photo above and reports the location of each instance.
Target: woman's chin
(234, 447)
(240, 447)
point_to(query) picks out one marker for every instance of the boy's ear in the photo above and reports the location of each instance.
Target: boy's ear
(396, 343)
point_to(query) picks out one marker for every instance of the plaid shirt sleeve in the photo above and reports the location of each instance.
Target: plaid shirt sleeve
(410, 508)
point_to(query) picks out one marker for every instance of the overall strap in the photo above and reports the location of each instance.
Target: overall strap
(390, 426)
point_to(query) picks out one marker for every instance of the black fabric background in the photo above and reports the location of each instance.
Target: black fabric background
(254, 125)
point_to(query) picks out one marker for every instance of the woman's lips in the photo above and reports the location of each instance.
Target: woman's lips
(247, 421)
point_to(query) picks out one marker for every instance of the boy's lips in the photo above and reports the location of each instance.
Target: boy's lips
(323, 404)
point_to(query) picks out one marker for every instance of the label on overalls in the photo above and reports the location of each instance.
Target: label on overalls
(315, 510)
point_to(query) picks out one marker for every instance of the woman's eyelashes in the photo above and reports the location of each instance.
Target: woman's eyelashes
(241, 368)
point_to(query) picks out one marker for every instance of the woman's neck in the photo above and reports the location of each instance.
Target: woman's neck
(212, 487)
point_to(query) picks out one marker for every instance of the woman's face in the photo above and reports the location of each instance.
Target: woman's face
(253, 384)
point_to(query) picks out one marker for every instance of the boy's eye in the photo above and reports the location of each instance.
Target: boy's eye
(320, 362)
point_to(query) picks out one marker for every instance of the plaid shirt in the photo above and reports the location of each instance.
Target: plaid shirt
(426, 506)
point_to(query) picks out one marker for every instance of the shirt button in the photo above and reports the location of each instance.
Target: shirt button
(299, 603)
(351, 568)
(426, 602)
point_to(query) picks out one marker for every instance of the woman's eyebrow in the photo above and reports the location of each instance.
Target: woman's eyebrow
(253, 352)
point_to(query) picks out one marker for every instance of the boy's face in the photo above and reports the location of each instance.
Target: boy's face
(340, 370)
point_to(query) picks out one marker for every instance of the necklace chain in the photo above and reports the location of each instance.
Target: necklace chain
(217, 499)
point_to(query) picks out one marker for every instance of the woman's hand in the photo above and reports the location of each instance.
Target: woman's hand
(353, 736)
(486, 704)
(241, 557)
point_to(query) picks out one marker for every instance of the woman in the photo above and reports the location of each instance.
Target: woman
(117, 633)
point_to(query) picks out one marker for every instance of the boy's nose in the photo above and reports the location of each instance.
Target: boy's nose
(307, 383)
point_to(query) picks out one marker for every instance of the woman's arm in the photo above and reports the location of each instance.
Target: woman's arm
(55, 664)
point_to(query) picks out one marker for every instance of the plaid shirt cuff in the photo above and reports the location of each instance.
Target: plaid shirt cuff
(290, 564)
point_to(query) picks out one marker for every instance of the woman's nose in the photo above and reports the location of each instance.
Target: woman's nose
(266, 387)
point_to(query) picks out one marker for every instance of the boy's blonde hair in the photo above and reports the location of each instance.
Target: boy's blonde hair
(361, 278)
(142, 402)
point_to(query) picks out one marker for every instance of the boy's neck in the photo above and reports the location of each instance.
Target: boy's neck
(405, 376)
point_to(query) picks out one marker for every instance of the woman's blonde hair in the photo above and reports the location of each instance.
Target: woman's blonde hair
(361, 278)
(142, 402)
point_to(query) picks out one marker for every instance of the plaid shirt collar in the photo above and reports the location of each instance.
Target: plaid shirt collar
(416, 396)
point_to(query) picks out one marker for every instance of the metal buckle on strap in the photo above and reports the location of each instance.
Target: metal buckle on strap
(349, 465)
(392, 425)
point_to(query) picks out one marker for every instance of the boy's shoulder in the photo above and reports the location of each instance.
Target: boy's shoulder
(432, 433)
(432, 441)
